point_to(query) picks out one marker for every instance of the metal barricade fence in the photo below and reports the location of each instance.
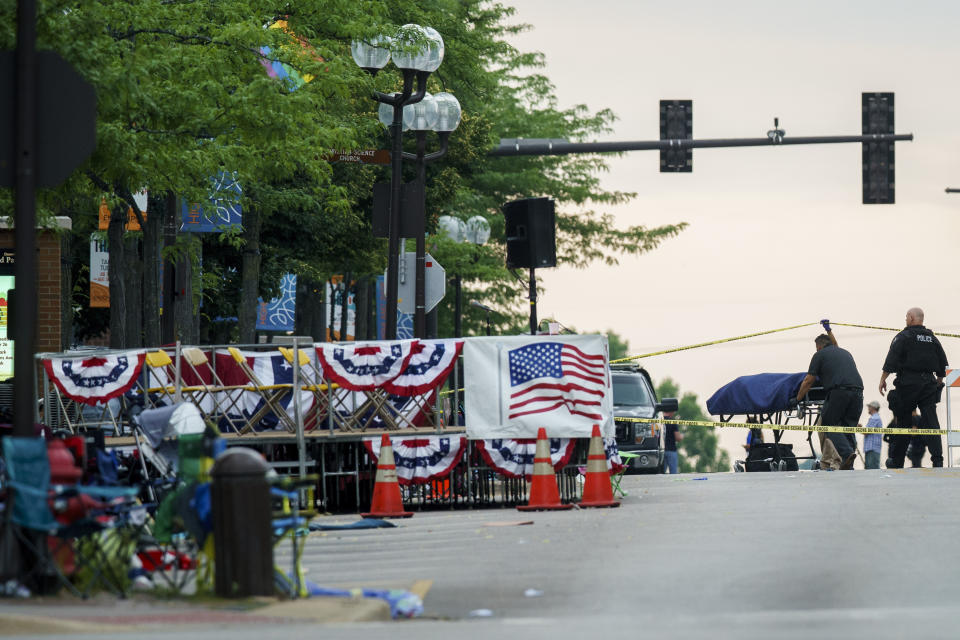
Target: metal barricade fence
(245, 390)
(299, 436)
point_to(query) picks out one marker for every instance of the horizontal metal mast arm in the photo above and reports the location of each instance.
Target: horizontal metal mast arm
(559, 146)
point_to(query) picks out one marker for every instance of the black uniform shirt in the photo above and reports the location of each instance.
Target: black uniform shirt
(670, 439)
(916, 350)
(835, 368)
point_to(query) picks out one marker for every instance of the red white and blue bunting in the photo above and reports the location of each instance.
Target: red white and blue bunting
(514, 457)
(420, 460)
(364, 366)
(95, 379)
(614, 463)
(430, 364)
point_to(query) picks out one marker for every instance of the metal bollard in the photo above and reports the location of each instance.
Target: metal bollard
(242, 511)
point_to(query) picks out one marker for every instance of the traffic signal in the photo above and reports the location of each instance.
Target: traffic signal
(676, 123)
(878, 165)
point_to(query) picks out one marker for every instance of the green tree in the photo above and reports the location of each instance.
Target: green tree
(619, 346)
(699, 449)
(183, 94)
(504, 95)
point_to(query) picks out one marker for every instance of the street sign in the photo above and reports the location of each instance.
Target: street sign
(66, 119)
(361, 156)
(435, 284)
(411, 209)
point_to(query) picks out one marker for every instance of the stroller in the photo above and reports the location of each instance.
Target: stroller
(769, 399)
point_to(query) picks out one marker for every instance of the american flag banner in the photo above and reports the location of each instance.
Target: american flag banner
(545, 376)
(516, 384)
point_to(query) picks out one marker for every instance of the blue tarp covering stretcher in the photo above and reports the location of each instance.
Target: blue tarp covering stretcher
(769, 400)
(760, 393)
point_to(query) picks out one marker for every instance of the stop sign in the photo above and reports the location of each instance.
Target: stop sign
(66, 119)
(435, 285)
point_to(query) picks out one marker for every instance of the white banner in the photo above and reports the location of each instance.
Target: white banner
(99, 272)
(516, 384)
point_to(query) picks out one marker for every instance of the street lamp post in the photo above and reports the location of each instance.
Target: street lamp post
(440, 113)
(417, 52)
(476, 231)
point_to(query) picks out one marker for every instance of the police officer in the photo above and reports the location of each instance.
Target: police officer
(844, 388)
(917, 358)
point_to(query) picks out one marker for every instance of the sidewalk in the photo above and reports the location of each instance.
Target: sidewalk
(140, 612)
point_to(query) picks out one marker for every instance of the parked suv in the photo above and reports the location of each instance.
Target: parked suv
(634, 397)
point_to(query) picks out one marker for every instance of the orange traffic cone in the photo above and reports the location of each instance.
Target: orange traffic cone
(544, 494)
(597, 490)
(386, 502)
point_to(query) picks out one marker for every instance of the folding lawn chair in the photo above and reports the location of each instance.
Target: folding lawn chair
(269, 399)
(616, 477)
(290, 522)
(195, 378)
(310, 381)
(89, 539)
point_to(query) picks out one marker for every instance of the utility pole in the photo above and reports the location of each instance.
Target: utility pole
(24, 307)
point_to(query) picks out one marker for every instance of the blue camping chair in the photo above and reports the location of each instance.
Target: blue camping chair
(29, 498)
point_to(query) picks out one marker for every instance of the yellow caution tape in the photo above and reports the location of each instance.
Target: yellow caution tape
(867, 326)
(785, 427)
(763, 333)
(707, 344)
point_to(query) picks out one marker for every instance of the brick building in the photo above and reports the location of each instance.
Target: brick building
(50, 335)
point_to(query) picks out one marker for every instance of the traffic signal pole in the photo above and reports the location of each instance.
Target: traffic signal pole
(676, 143)
(558, 147)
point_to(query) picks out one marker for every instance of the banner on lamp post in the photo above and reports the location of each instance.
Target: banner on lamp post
(333, 294)
(99, 272)
(279, 314)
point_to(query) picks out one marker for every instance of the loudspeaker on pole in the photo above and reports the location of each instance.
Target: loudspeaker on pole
(531, 233)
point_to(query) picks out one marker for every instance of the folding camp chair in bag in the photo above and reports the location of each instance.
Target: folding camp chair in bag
(92, 537)
(181, 446)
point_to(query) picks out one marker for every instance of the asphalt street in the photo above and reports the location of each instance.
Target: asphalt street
(862, 554)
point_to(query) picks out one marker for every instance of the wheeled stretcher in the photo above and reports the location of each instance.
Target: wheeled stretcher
(769, 399)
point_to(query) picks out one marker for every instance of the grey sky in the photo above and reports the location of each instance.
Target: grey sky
(777, 236)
